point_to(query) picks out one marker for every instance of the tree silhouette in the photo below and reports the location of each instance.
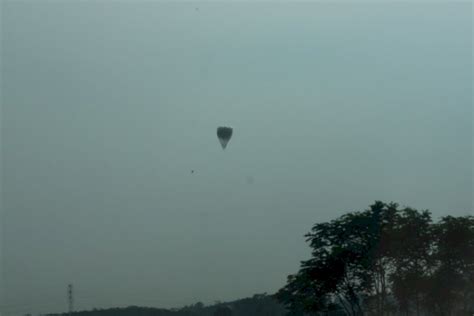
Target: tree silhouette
(223, 311)
(451, 286)
(412, 241)
(385, 259)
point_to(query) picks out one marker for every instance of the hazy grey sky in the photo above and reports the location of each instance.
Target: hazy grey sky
(107, 106)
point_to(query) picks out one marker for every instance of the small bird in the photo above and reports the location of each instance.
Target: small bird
(192, 171)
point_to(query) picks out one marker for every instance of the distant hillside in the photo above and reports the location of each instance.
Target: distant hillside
(258, 305)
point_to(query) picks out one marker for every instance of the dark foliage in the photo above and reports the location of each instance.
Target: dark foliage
(383, 261)
(258, 305)
(386, 261)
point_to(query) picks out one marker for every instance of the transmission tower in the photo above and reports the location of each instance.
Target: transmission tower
(70, 298)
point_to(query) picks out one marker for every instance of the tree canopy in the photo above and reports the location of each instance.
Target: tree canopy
(386, 260)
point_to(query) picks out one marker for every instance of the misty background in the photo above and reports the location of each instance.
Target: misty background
(107, 107)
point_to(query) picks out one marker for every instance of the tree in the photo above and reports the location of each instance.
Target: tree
(223, 311)
(411, 252)
(385, 259)
(348, 263)
(451, 286)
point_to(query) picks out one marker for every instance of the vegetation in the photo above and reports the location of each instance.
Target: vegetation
(258, 305)
(386, 261)
(383, 261)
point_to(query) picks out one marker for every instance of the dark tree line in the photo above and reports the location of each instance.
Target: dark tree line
(386, 261)
(383, 261)
(257, 305)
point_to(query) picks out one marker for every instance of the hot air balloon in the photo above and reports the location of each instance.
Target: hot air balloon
(224, 134)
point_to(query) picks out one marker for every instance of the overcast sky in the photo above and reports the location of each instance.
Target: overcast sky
(108, 106)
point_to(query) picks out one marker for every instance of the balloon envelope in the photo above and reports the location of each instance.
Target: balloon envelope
(224, 134)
